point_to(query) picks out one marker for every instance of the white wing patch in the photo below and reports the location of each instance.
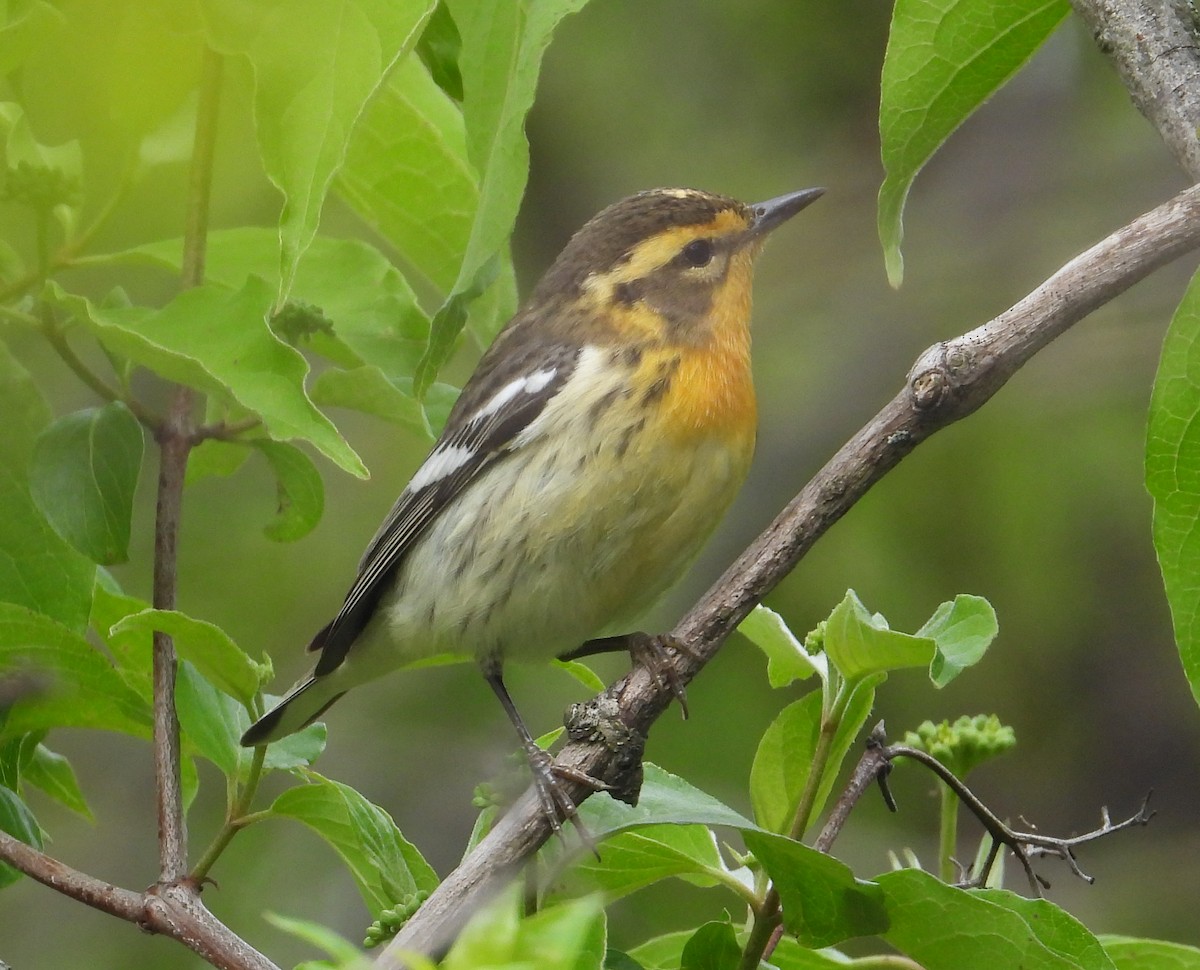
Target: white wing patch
(529, 384)
(451, 455)
(444, 460)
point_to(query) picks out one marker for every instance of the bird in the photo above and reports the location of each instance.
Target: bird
(600, 439)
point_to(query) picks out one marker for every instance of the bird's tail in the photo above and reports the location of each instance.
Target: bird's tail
(304, 703)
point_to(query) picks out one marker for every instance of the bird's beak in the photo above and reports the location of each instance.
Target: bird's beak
(775, 212)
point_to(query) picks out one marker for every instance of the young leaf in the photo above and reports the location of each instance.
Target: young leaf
(945, 928)
(822, 901)
(300, 490)
(215, 655)
(860, 644)
(1129, 953)
(1173, 477)
(17, 820)
(53, 774)
(316, 65)
(962, 629)
(38, 569)
(713, 946)
(219, 341)
(83, 477)
(944, 58)
(384, 864)
(787, 660)
(84, 691)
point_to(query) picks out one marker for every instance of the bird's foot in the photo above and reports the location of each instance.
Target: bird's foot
(653, 651)
(556, 802)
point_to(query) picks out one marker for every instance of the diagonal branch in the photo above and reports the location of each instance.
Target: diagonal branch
(1155, 48)
(949, 381)
(174, 911)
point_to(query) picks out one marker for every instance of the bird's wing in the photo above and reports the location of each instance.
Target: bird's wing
(494, 408)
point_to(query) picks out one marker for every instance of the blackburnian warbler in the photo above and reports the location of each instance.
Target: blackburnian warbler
(597, 444)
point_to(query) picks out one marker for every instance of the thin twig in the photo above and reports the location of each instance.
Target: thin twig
(175, 443)
(949, 381)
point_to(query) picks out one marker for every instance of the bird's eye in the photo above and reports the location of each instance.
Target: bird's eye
(699, 252)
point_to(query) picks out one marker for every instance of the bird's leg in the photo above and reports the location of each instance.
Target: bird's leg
(648, 649)
(556, 804)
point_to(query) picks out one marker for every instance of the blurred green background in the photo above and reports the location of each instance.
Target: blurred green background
(1036, 502)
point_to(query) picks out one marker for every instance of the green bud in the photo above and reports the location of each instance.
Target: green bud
(966, 743)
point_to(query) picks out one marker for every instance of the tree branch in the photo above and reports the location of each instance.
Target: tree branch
(949, 381)
(174, 911)
(1155, 49)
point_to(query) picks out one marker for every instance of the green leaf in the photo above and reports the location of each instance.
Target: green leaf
(945, 928)
(713, 946)
(133, 657)
(787, 660)
(316, 65)
(1129, 953)
(207, 646)
(38, 570)
(213, 458)
(783, 762)
(29, 25)
(438, 50)
(447, 325)
(407, 173)
(500, 58)
(633, 860)
(300, 490)
(374, 313)
(17, 821)
(83, 477)
(582, 674)
(298, 750)
(822, 901)
(860, 644)
(367, 389)
(664, 952)
(384, 864)
(1056, 929)
(944, 58)
(208, 720)
(963, 630)
(219, 342)
(569, 935)
(1173, 476)
(53, 774)
(665, 798)
(784, 759)
(84, 691)
(344, 953)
